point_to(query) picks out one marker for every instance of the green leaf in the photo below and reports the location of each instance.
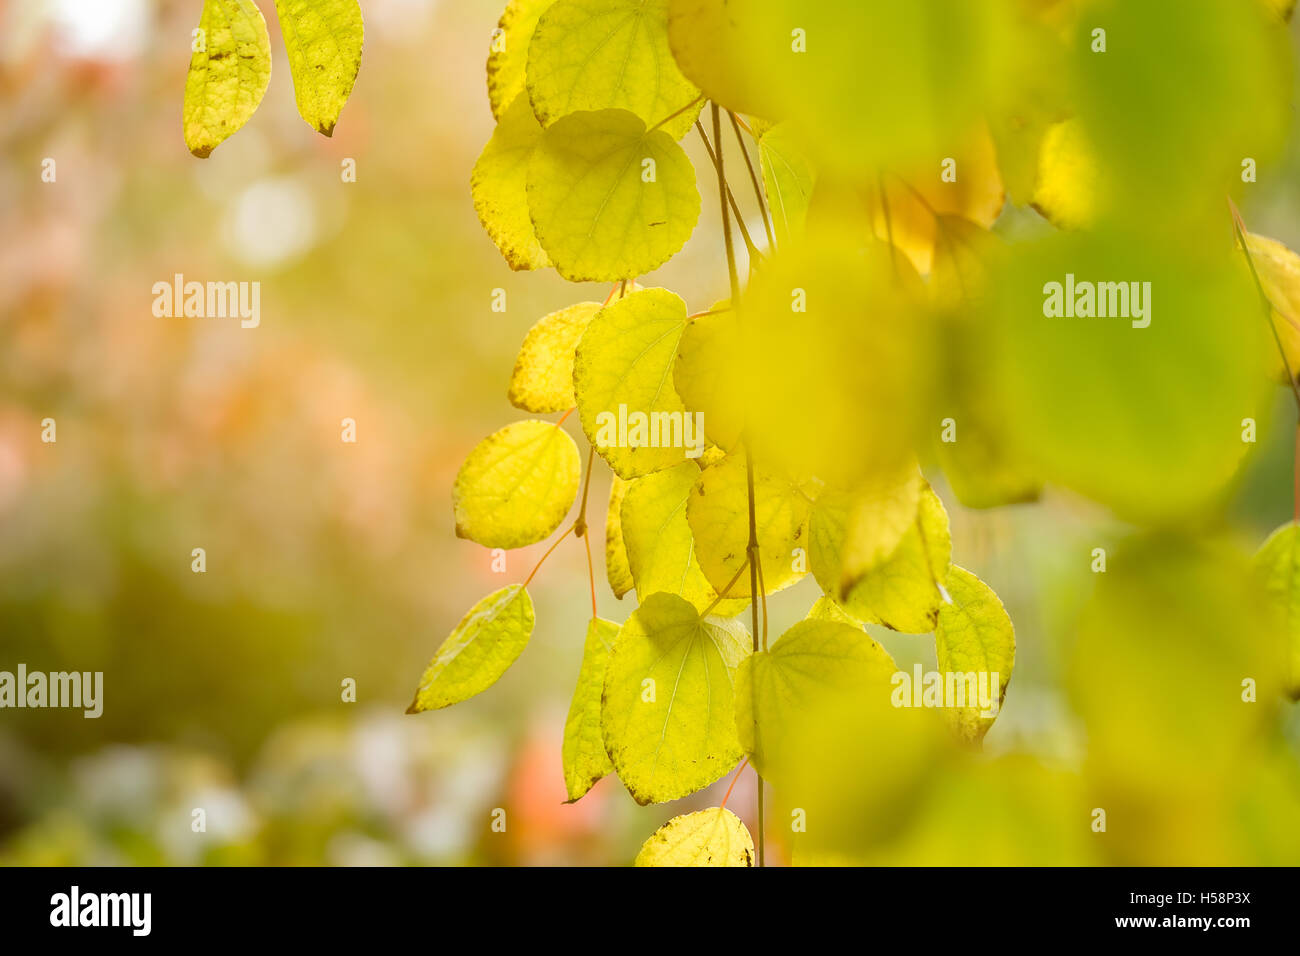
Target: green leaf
(788, 179)
(482, 647)
(713, 837)
(905, 592)
(228, 77)
(808, 667)
(1278, 563)
(517, 485)
(974, 636)
(660, 547)
(707, 39)
(608, 54)
(323, 39)
(509, 55)
(617, 570)
(667, 714)
(542, 381)
(718, 512)
(498, 185)
(610, 200)
(583, 754)
(624, 368)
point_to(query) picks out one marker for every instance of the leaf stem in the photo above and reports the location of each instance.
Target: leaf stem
(529, 580)
(580, 528)
(753, 178)
(754, 254)
(752, 548)
(673, 116)
(723, 593)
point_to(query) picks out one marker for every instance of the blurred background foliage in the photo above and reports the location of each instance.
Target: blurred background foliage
(328, 561)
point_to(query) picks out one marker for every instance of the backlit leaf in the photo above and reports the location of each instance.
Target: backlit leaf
(517, 485)
(807, 667)
(788, 178)
(610, 199)
(975, 637)
(660, 547)
(668, 714)
(323, 39)
(712, 837)
(623, 374)
(608, 54)
(904, 593)
(482, 647)
(708, 377)
(509, 55)
(1278, 269)
(617, 571)
(542, 381)
(718, 512)
(498, 185)
(583, 753)
(228, 76)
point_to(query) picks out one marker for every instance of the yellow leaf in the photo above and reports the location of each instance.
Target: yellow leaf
(974, 638)
(617, 570)
(788, 179)
(808, 667)
(608, 54)
(583, 753)
(228, 76)
(1278, 269)
(609, 198)
(323, 39)
(713, 837)
(667, 714)
(622, 376)
(660, 547)
(488, 639)
(542, 381)
(517, 485)
(1070, 189)
(498, 184)
(718, 512)
(905, 592)
(509, 55)
(708, 376)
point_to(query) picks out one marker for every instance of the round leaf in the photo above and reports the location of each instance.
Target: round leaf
(542, 381)
(713, 837)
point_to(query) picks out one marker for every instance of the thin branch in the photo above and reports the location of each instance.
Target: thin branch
(753, 178)
(754, 254)
(723, 593)
(673, 116)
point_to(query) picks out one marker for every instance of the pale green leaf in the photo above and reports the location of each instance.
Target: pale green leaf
(498, 185)
(788, 179)
(509, 54)
(543, 377)
(668, 714)
(583, 753)
(905, 592)
(517, 485)
(610, 199)
(482, 647)
(712, 837)
(623, 374)
(808, 667)
(718, 512)
(975, 637)
(609, 54)
(228, 76)
(323, 39)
